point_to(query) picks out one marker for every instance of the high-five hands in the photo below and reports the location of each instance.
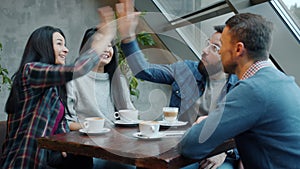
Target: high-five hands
(108, 25)
(107, 29)
(127, 20)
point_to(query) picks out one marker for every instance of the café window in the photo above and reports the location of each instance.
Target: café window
(178, 8)
(289, 10)
(194, 20)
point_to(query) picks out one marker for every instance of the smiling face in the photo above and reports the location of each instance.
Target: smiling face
(60, 50)
(210, 56)
(106, 56)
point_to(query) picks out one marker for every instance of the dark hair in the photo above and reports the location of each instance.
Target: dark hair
(85, 44)
(219, 28)
(254, 31)
(201, 67)
(39, 48)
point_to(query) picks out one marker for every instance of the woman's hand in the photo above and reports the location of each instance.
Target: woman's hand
(108, 25)
(75, 126)
(127, 20)
(107, 29)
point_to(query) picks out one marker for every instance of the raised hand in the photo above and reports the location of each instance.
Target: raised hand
(127, 20)
(107, 29)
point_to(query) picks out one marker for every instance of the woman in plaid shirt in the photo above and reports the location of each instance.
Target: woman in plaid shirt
(36, 104)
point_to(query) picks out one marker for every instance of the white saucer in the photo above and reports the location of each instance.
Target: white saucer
(141, 136)
(120, 122)
(101, 131)
(172, 124)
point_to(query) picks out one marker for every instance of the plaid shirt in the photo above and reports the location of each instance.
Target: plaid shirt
(254, 68)
(38, 109)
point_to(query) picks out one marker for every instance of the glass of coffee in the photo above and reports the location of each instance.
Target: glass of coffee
(170, 114)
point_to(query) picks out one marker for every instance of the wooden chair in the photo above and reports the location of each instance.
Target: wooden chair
(2, 134)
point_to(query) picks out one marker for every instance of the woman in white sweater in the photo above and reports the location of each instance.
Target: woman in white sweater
(101, 92)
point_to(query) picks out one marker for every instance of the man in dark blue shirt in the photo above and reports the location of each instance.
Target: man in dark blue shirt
(196, 85)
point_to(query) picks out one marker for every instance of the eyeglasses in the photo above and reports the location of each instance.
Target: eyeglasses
(212, 47)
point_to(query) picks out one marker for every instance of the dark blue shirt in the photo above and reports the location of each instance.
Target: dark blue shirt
(188, 84)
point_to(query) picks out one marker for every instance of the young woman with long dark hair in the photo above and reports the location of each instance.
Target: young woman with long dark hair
(102, 91)
(37, 101)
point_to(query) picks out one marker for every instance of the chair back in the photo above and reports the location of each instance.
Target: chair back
(2, 134)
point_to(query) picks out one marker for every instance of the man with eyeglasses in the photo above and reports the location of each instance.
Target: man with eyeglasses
(196, 85)
(185, 77)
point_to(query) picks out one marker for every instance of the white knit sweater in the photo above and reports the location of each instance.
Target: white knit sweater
(92, 95)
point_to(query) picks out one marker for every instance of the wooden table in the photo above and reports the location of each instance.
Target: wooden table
(119, 145)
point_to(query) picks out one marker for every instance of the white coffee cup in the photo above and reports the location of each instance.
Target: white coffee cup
(170, 114)
(127, 115)
(149, 128)
(93, 123)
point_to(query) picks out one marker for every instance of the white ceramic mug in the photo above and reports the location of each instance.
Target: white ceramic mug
(93, 123)
(127, 115)
(149, 128)
(170, 114)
